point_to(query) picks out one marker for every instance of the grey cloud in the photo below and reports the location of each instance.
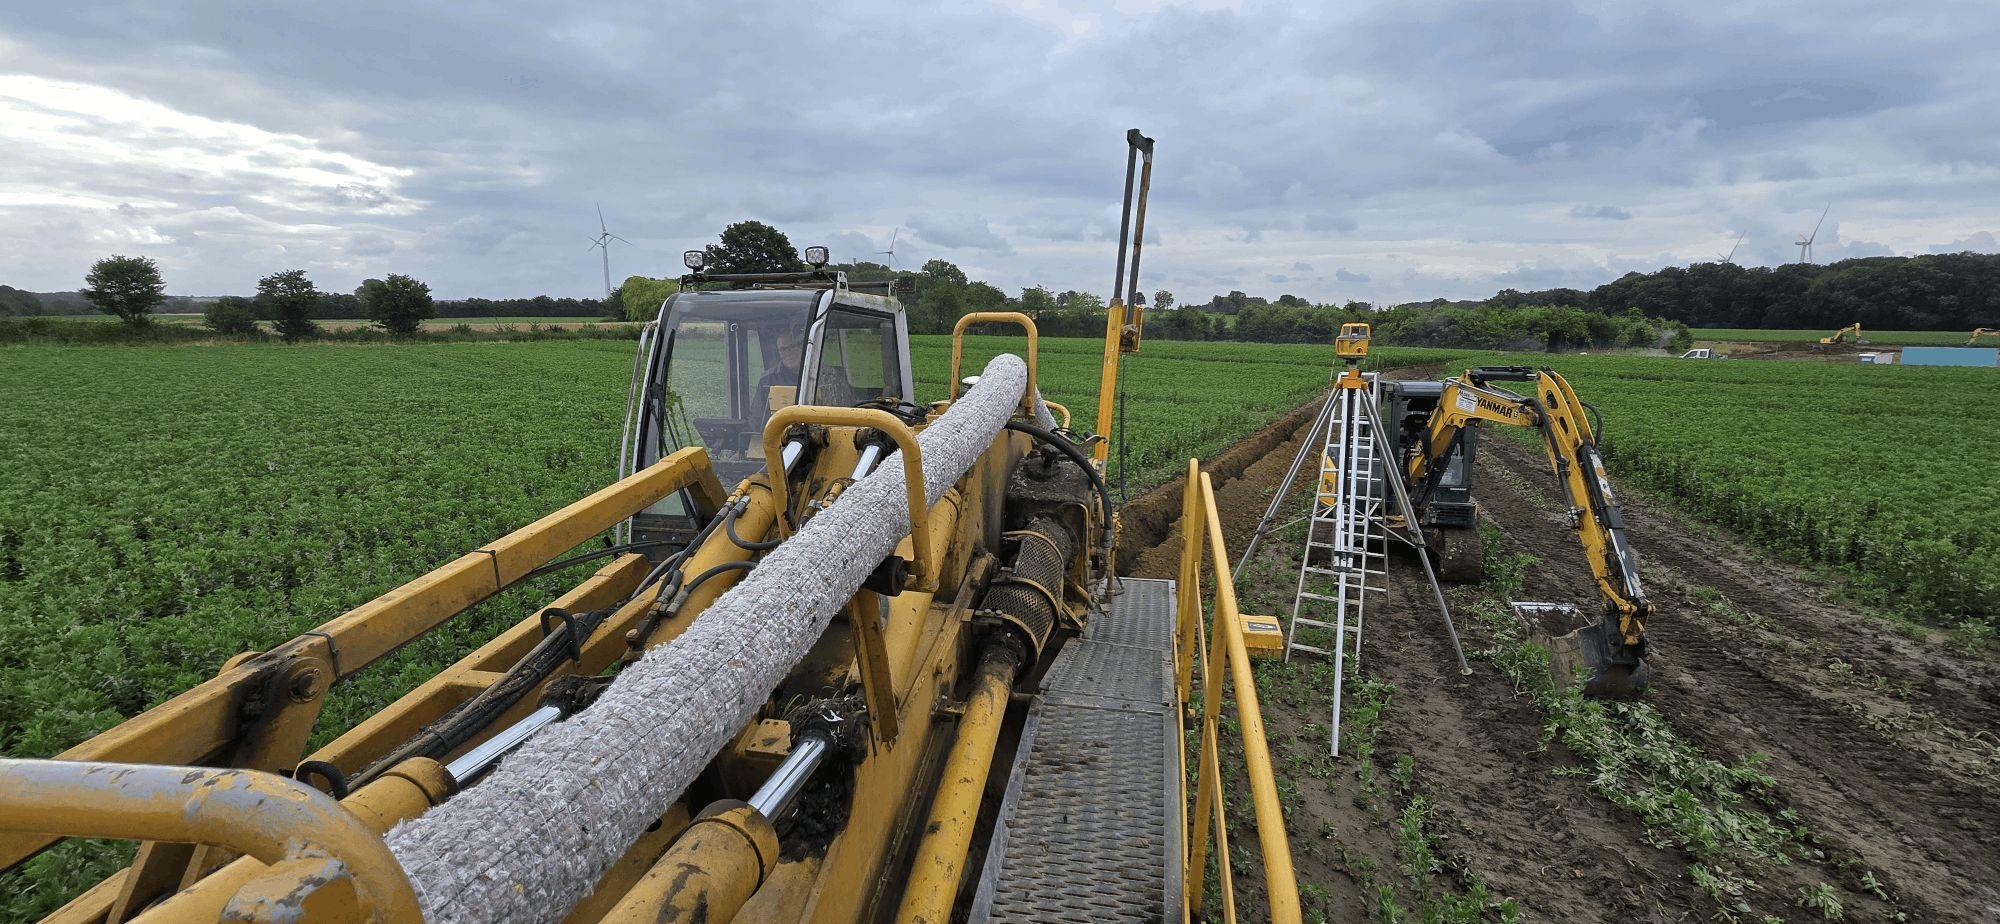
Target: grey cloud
(1301, 266)
(370, 244)
(1419, 145)
(958, 231)
(1982, 242)
(1610, 212)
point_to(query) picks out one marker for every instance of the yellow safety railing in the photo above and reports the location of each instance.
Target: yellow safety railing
(1224, 659)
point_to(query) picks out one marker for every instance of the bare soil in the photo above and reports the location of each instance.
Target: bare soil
(1880, 739)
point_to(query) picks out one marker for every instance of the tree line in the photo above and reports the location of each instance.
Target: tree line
(1951, 291)
(132, 289)
(937, 295)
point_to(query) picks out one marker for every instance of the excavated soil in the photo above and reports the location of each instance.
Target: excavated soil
(1880, 739)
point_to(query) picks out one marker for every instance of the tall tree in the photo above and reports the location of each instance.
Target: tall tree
(753, 247)
(289, 298)
(231, 314)
(1037, 300)
(1163, 300)
(398, 303)
(129, 287)
(642, 296)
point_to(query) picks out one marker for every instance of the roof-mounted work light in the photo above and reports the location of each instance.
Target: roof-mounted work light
(816, 256)
(693, 259)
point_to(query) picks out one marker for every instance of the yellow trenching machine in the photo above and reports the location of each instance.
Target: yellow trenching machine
(850, 657)
(1434, 427)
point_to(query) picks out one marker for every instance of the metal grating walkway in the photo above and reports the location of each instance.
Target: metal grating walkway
(1091, 825)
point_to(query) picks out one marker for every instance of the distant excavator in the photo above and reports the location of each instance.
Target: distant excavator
(1979, 332)
(1842, 335)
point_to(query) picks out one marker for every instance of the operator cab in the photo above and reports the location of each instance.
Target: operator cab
(1408, 404)
(718, 361)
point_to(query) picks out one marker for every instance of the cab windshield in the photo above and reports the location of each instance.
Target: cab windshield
(732, 358)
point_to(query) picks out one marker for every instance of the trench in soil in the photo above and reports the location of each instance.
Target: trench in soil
(1455, 804)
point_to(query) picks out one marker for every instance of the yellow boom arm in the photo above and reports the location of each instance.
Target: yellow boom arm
(1571, 444)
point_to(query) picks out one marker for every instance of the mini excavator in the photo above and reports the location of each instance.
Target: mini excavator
(1435, 428)
(1849, 334)
(847, 657)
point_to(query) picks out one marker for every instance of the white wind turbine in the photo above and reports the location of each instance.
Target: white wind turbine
(1730, 257)
(891, 252)
(603, 242)
(1806, 240)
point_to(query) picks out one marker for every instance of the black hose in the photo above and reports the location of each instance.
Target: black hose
(457, 726)
(593, 556)
(741, 564)
(729, 527)
(1076, 455)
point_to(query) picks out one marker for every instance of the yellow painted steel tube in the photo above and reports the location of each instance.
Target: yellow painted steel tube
(929, 562)
(1107, 379)
(1280, 882)
(940, 860)
(1187, 591)
(716, 865)
(409, 790)
(1060, 409)
(1009, 317)
(273, 819)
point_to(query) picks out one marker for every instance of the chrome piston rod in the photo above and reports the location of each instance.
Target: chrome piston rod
(472, 764)
(778, 793)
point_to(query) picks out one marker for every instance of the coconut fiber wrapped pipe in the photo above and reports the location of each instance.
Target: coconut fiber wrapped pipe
(533, 838)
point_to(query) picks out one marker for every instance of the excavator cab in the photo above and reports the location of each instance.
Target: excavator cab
(718, 361)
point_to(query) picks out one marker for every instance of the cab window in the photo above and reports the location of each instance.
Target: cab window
(858, 360)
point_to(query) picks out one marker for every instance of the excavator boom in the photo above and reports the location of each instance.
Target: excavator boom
(1608, 654)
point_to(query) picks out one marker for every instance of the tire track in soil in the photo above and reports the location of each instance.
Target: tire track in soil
(1914, 803)
(1911, 803)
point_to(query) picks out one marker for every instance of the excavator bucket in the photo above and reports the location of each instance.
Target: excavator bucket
(1587, 653)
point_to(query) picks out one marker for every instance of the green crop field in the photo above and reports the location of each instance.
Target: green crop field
(165, 507)
(1877, 337)
(168, 506)
(1887, 471)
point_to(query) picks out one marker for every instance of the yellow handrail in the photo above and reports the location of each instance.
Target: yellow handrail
(1223, 650)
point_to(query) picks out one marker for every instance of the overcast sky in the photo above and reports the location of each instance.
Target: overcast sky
(1382, 151)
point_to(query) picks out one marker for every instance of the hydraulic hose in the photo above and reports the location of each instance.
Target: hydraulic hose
(1076, 455)
(606, 552)
(729, 527)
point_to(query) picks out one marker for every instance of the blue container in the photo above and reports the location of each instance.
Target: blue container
(1951, 356)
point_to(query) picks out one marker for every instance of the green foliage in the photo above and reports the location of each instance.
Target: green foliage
(290, 299)
(1949, 292)
(752, 247)
(1723, 814)
(259, 491)
(231, 315)
(640, 297)
(15, 302)
(127, 287)
(1821, 899)
(398, 303)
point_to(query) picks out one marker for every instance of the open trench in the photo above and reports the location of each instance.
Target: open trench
(1882, 743)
